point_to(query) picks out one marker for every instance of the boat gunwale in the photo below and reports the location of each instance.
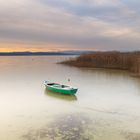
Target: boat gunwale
(62, 88)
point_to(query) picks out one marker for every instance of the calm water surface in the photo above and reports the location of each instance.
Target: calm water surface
(106, 107)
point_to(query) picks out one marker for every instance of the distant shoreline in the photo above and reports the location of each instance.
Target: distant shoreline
(129, 61)
(35, 53)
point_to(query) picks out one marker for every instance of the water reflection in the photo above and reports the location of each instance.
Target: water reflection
(60, 96)
(106, 72)
(108, 99)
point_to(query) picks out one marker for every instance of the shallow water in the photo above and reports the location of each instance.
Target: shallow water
(106, 107)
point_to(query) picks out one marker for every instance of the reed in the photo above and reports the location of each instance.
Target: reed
(112, 60)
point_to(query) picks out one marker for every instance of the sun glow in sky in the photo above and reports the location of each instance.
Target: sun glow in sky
(35, 47)
(16, 47)
(57, 25)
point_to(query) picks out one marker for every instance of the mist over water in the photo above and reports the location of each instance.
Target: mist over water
(106, 106)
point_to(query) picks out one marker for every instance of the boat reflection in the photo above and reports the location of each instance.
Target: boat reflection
(60, 96)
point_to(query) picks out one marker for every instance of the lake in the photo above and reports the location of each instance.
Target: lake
(106, 106)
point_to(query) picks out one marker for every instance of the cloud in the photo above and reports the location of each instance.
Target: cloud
(104, 24)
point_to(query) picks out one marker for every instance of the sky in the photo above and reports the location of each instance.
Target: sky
(57, 25)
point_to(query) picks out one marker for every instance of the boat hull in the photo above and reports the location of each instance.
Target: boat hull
(68, 91)
(60, 96)
(72, 91)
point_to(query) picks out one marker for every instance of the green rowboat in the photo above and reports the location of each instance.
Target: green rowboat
(58, 88)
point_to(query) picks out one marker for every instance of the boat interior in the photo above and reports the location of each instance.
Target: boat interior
(57, 85)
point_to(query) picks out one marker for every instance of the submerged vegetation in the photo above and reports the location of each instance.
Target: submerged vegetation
(67, 127)
(112, 60)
